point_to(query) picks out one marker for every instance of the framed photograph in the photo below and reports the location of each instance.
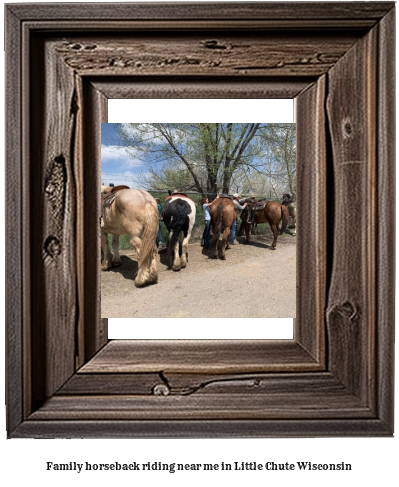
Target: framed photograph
(259, 284)
(65, 378)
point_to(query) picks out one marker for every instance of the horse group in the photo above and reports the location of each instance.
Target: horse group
(134, 212)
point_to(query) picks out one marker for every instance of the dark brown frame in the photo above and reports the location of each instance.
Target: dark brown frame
(64, 379)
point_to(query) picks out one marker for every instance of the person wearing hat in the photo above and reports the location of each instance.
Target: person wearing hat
(238, 207)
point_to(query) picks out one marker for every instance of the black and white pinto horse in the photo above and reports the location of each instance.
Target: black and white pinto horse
(179, 217)
(289, 200)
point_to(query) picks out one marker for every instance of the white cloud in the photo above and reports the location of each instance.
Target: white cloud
(118, 156)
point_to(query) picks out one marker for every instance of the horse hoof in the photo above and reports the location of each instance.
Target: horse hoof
(105, 268)
(176, 269)
(272, 248)
(223, 257)
(214, 257)
(117, 263)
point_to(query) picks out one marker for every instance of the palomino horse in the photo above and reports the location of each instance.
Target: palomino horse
(289, 200)
(179, 217)
(223, 215)
(133, 212)
(264, 211)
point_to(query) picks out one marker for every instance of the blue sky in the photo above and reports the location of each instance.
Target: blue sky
(117, 166)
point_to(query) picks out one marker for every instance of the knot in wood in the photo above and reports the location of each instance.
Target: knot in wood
(213, 44)
(52, 246)
(347, 128)
(161, 390)
(50, 188)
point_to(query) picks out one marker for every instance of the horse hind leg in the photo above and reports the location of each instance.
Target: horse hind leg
(214, 242)
(107, 262)
(176, 265)
(184, 254)
(147, 272)
(116, 259)
(275, 235)
(225, 240)
(294, 223)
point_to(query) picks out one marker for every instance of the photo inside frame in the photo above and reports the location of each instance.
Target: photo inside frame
(245, 298)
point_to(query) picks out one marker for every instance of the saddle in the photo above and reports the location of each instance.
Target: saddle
(260, 205)
(115, 189)
(224, 196)
(249, 211)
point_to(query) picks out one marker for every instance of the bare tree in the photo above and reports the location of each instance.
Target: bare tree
(279, 145)
(197, 156)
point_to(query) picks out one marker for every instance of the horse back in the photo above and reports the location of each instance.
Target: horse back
(179, 213)
(224, 211)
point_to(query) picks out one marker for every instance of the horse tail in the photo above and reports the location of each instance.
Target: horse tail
(148, 268)
(284, 218)
(218, 227)
(179, 223)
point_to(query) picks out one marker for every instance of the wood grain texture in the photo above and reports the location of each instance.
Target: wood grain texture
(277, 11)
(351, 112)
(312, 215)
(241, 54)
(53, 244)
(16, 247)
(190, 428)
(346, 155)
(176, 87)
(95, 112)
(203, 407)
(200, 356)
(386, 215)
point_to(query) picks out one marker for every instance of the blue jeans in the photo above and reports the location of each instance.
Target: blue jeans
(159, 234)
(205, 235)
(233, 229)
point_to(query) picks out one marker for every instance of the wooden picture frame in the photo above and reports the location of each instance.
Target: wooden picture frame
(335, 378)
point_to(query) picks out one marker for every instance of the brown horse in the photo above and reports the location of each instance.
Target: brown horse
(223, 215)
(264, 211)
(133, 212)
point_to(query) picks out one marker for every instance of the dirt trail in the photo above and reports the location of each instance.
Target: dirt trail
(253, 282)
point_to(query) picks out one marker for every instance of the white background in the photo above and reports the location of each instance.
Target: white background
(374, 460)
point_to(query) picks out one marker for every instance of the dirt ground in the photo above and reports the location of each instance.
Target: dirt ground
(253, 282)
